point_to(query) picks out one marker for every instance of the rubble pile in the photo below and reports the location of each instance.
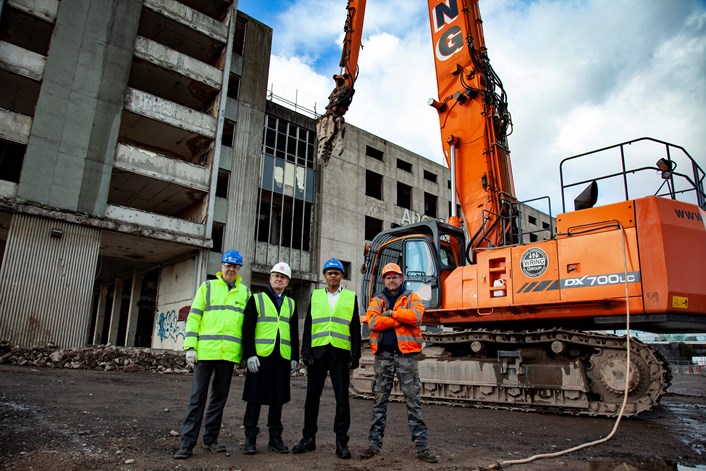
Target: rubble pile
(96, 357)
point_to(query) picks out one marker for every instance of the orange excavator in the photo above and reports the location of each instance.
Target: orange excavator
(511, 321)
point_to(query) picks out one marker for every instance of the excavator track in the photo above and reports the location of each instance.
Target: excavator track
(553, 370)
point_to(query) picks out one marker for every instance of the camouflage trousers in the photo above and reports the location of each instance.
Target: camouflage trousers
(386, 365)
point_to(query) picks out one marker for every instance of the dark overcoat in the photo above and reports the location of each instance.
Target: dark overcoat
(270, 385)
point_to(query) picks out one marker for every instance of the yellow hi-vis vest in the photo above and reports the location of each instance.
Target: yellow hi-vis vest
(269, 323)
(214, 327)
(331, 327)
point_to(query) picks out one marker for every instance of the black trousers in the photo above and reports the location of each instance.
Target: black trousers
(340, 379)
(252, 417)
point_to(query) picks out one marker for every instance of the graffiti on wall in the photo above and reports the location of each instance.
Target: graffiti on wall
(169, 328)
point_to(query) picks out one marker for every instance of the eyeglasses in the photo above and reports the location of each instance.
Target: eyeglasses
(392, 277)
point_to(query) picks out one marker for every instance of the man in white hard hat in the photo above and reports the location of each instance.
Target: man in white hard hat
(271, 347)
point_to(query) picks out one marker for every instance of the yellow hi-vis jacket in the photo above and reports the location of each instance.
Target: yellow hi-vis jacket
(214, 327)
(269, 323)
(331, 327)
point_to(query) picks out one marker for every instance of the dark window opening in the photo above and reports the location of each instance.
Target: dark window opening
(533, 237)
(239, 37)
(347, 269)
(25, 30)
(402, 165)
(374, 153)
(373, 227)
(11, 157)
(233, 86)
(222, 184)
(217, 237)
(227, 136)
(532, 220)
(373, 184)
(430, 204)
(449, 182)
(429, 176)
(545, 225)
(404, 196)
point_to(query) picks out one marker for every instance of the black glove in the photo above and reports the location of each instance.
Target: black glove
(308, 360)
(353, 364)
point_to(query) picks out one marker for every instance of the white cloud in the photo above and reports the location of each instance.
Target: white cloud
(579, 75)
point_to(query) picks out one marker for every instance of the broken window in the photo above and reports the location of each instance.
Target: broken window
(430, 176)
(402, 165)
(11, 158)
(374, 153)
(287, 185)
(373, 226)
(404, 195)
(373, 184)
(430, 204)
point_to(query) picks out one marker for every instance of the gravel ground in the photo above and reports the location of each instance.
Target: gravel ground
(74, 419)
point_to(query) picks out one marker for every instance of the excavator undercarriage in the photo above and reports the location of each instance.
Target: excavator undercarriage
(553, 370)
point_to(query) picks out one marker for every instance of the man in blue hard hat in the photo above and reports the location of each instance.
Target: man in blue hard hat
(213, 344)
(330, 346)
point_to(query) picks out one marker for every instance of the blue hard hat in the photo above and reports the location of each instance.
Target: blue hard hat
(233, 257)
(335, 264)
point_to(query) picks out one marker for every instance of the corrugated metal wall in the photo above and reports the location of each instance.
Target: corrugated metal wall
(46, 282)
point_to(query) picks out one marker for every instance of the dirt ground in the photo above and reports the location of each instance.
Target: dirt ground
(63, 419)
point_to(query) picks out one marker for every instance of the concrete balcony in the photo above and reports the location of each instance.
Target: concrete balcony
(155, 123)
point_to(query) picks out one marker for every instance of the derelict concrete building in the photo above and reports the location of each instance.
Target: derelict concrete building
(138, 143)
(117, 122)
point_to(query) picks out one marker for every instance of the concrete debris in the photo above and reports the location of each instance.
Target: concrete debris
(104, 357)
(96, 357)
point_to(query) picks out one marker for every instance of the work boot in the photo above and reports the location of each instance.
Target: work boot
(369, 453)
(249, 447)
(342, 450)
(428, 456)
(182, 454)
(276, 444)
(304, 445)
(214, 447)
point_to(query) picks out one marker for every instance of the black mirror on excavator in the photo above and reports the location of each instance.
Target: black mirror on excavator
(587, 198)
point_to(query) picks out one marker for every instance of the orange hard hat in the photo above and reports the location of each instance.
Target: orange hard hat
(391, 267)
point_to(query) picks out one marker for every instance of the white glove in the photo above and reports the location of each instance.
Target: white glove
(191, 356)
(253, 364)
(295, 363)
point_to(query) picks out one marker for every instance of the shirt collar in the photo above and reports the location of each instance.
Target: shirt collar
(340, 288)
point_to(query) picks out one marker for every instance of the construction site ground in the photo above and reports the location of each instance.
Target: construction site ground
(75, 419)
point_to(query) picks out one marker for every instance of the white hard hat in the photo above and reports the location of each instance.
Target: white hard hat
(282, 268)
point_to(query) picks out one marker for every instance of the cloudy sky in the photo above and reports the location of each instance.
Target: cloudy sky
(579, 74)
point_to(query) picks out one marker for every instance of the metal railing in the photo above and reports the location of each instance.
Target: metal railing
(672, 154)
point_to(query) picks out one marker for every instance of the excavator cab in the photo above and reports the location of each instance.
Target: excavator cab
(426, 251)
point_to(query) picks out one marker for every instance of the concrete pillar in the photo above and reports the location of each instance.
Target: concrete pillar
(115, 312)
(134, 310)
(100, 315)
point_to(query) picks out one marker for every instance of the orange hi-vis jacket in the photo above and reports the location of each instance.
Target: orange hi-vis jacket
(406, 319)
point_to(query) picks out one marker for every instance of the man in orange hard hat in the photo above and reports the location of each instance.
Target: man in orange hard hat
(394, 317)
